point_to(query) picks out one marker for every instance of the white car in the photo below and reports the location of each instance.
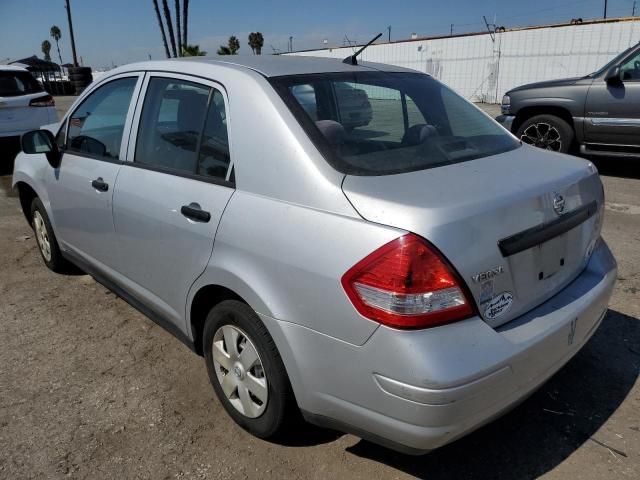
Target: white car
(24, 105)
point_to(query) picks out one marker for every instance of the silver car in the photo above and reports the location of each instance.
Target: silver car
(407, 280)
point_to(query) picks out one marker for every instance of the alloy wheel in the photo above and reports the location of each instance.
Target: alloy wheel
(239, 371)
(542, 135)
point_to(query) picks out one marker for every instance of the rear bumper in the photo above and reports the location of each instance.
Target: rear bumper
(419, 390)
(506, 121)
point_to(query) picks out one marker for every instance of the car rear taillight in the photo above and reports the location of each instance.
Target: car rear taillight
(407, 283)
(46, 101)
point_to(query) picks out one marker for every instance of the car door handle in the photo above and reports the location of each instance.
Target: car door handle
(194, 212)
(100, 184)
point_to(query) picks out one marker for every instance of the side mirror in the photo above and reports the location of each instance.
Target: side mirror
(613, 75)
(42, 141)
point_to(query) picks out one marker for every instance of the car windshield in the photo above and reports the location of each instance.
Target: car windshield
(15, 83)
(376, 123)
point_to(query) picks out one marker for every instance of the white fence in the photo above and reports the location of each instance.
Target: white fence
(483, 67)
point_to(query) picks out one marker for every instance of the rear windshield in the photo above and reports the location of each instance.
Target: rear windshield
(14, 84)
(375, 123)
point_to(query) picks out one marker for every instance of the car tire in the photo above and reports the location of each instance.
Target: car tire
(271, 418)
(548, 132)
(46, 239)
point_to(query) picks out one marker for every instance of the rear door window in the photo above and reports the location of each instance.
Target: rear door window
(183, 129)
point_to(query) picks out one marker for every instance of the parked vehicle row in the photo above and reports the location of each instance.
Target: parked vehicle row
(402, 269)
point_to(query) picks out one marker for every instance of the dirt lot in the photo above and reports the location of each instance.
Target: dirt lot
(89, 388)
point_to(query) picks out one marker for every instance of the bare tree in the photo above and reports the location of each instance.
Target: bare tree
(164, 37)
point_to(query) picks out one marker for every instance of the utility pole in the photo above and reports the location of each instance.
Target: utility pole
(73, 42)
(389, 29)
(605, 8)
(451, 31)
(291, 44)
(633, 11)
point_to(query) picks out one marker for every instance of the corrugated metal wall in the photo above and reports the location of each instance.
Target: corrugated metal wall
(482, 69)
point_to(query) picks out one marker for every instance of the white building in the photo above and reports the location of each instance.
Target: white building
(482, 66)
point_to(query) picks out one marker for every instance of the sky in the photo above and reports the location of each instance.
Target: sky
(114, 32)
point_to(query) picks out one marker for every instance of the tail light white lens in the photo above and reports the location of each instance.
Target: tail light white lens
(46, 101)
(407, 284)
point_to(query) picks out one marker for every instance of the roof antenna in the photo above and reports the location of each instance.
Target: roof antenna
(352, 60)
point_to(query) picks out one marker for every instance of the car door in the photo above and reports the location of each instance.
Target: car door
(172, 191)
(81, 189)
(613, 108)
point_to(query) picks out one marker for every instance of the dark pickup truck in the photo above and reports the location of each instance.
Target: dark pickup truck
(599, 113)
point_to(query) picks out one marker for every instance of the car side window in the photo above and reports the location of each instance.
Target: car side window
(213, 159)
(97, 125)
(183, 128)
(630, 69)
(306, 96)
(172, 120)
(61, 136)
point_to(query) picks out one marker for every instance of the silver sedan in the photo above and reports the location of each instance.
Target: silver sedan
(390, 262)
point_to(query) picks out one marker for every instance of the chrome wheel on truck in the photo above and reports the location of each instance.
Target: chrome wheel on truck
(542, 135)
(547, 132)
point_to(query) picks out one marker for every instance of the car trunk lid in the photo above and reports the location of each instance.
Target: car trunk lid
(494, 220)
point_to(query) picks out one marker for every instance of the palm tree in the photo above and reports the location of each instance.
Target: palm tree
(46, 48)
(178, 34)
(192, 51)
(164, 37)
(256, 41)
(167, 17)
(185, 15)
(57, 34)
(232, 47)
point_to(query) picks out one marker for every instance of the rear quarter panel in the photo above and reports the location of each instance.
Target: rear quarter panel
(287, 261)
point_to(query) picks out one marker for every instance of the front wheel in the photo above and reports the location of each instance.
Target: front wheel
(46, 239)
(548, 132)
(246, 370)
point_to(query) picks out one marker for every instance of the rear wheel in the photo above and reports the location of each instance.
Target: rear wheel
(46, 239)
(246, 370)
(548, 132)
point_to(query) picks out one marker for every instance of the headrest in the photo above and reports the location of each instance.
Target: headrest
(417, 134)
(191, 110)
(332, 131)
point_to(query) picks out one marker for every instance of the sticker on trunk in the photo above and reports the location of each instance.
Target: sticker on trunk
(498, 305)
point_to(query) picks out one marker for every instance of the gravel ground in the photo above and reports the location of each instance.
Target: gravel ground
(90, 388)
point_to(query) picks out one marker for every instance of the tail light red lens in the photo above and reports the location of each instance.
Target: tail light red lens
(407, 284)
(46, 101)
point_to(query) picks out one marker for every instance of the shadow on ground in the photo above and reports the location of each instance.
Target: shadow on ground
(9, 148)
(617, 167)
(537, 436)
